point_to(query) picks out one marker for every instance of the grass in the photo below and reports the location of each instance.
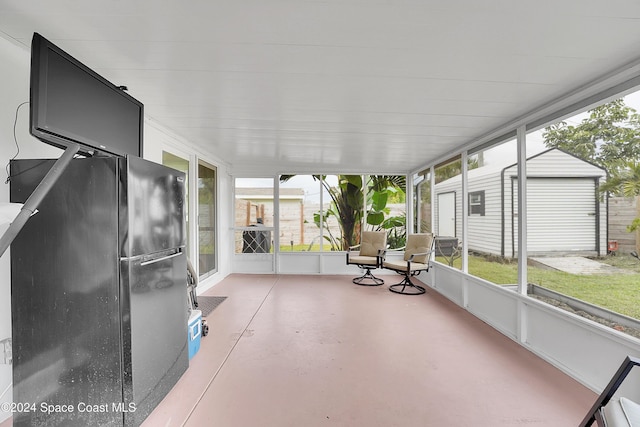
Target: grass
(616, 292)
(303, 248)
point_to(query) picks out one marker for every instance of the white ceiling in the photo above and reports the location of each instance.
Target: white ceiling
(293, 86)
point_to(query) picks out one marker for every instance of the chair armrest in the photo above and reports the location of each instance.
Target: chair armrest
(394, 250)
(419, 254)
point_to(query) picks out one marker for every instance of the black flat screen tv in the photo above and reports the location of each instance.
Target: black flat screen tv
(70, 103)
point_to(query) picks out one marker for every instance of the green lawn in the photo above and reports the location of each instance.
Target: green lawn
(617, 292)
(303, 248)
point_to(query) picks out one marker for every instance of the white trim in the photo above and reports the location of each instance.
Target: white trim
(522, 209)
(464, 218)
(194, 214)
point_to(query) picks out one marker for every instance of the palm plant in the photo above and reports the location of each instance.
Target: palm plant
(348, 204)
(626, 183)
(347, 207)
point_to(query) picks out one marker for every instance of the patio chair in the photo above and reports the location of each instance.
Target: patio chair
(416, 260)
(372, 246)
(610, 411)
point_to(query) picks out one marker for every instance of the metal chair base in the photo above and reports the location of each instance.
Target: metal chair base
(368, 279)
(407, 287)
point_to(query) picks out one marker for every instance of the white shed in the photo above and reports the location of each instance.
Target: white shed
(565, 214)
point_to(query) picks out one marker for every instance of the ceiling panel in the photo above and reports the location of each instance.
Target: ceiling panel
(336, 85)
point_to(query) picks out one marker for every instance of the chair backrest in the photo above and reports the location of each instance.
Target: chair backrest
(372, 241)
(418, 243)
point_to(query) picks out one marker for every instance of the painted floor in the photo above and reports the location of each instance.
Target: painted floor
(294, 351)
(321, 351)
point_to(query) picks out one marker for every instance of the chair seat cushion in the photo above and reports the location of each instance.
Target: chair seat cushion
(363, 260)
(622, 413)
(402, 265)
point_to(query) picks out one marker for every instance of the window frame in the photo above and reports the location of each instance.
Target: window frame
(476, 208)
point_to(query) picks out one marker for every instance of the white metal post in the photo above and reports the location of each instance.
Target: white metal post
(523, 318)
(432, 189)
(522, 209)
(276, 223)
(463, 214)
(409, 201)
(193, 252)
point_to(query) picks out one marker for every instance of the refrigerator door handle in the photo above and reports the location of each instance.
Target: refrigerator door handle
(164, 258)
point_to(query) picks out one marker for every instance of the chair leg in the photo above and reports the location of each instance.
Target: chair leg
(407, 287)
(368, 279)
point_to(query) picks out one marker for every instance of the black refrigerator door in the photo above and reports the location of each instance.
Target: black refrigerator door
(154, 329)
(152, 208)
(64, 297)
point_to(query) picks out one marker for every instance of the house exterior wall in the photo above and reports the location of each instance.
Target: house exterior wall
(568, 177)
(557, 163)
(562, 214)
(554, 226)
(484, 232)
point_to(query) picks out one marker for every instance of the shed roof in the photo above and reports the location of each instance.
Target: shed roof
(552, 162)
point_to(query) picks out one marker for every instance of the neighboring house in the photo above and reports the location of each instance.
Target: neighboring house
(565, 212)
(296, 226)
(254, 206)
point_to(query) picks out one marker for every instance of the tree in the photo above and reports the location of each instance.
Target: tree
(627, 184)
(348, 200)
(609, 137)
(627, 181)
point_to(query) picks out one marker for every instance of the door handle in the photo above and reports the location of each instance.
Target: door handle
(164, 258)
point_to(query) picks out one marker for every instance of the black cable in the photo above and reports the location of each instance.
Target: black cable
(15, 139)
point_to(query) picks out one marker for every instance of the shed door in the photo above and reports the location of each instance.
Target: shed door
(561, 214)
(447, 214)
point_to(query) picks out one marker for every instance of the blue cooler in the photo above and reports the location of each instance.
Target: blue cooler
(195, 332)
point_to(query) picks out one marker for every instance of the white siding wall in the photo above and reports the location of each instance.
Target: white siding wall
(557, 163)
(561, 205)
(552, 214)
(484, 232)
(561, 215)
(510, 224)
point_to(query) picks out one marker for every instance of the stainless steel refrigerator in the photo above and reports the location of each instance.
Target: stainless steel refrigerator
(98, 292)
